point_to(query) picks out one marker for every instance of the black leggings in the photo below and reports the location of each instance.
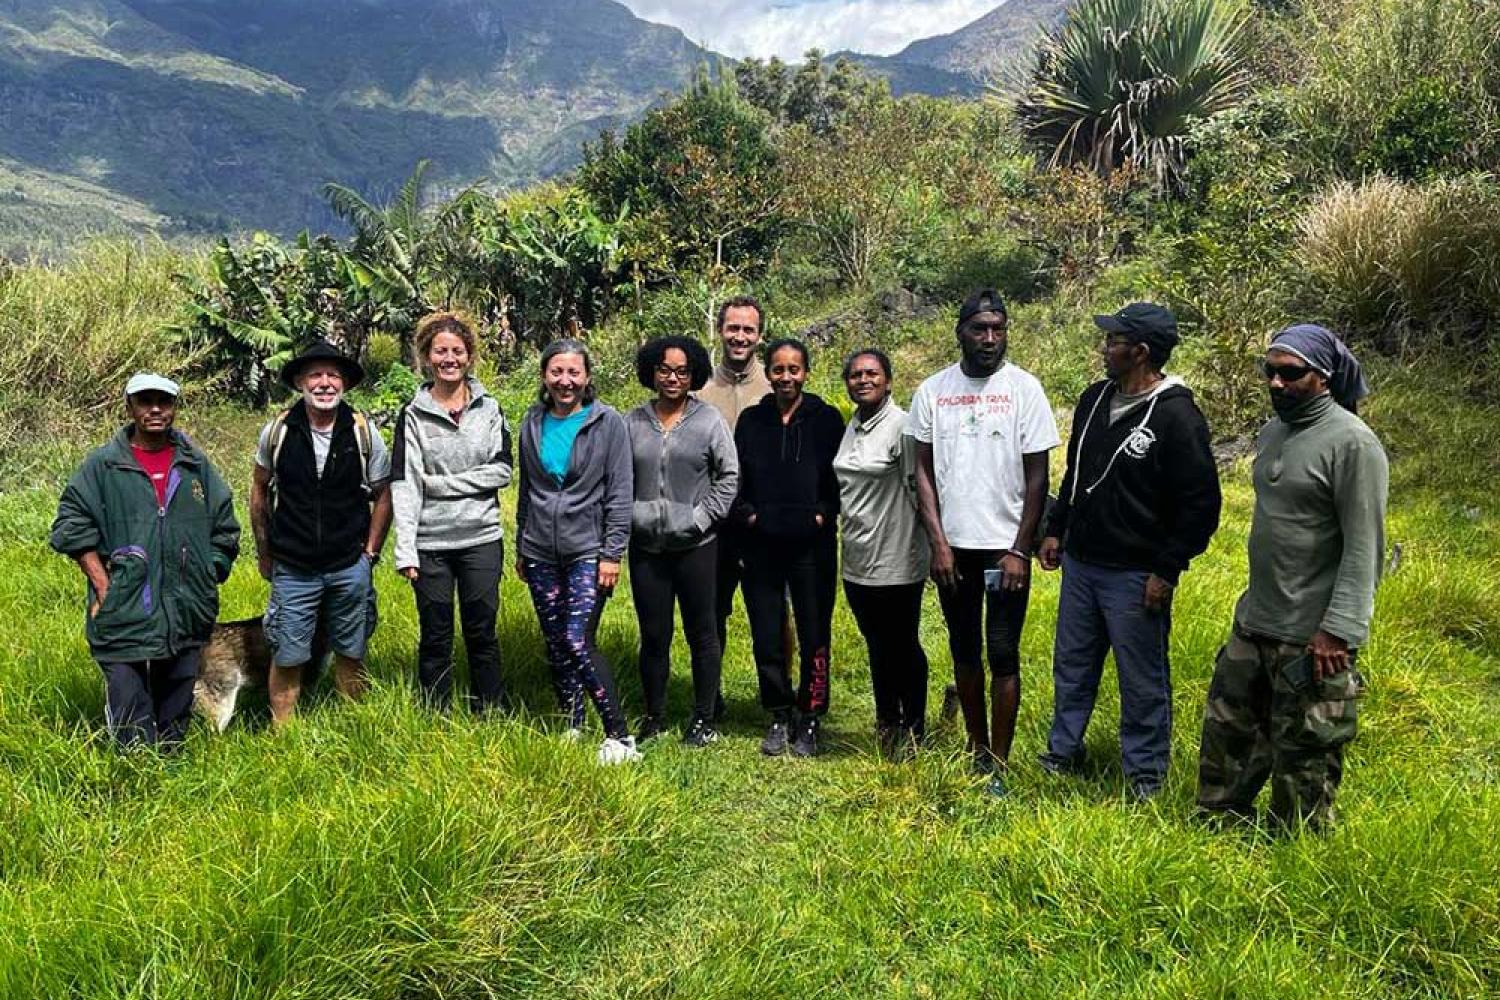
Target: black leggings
(973, 614)
(657, 579)
(807, 569)
(890, 619)
(475, 572)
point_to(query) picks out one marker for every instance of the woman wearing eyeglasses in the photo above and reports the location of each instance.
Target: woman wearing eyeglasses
(686, 477)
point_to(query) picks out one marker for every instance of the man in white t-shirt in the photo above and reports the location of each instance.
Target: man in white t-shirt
(983, 429)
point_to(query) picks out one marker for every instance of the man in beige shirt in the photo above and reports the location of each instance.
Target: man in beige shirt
(739, 380)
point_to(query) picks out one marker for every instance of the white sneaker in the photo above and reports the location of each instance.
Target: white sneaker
(572, 734)
(618, 751)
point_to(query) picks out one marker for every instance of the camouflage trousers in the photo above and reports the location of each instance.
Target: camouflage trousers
(1257, 726)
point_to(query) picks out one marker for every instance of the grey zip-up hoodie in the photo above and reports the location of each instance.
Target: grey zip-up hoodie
(685, 479)
(588, 516)
(445, 476)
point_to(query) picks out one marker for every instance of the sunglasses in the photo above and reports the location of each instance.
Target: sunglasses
(1287, 373)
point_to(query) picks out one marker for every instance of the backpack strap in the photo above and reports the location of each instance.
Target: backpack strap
(362, 438)
(278, 438)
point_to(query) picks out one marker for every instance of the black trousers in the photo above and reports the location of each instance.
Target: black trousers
(150, 702)
(890, 619)
(475, 573)
(657, 580)
(976, 615)
(807, 570)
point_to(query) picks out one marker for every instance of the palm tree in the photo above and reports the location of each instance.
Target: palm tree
(402, 247)
(1122, 81)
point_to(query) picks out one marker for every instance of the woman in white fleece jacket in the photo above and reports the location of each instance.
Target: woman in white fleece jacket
(452, 455)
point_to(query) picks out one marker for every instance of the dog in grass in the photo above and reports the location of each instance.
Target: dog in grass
(236, 658)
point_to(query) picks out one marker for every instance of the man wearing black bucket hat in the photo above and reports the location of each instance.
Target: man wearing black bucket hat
(1139, 500)
(320, 506)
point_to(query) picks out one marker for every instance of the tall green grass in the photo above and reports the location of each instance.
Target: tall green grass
(74, 333)
(379, 851)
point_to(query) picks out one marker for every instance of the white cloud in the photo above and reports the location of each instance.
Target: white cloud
(787, 28)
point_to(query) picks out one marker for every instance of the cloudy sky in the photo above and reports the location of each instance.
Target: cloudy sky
(789, 27)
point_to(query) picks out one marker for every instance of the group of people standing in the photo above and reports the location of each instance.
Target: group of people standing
(733, 476)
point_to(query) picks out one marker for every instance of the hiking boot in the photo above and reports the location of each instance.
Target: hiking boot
(775, 743)
(651, 728)
(806, 743)
(618, 751)
(700, 733)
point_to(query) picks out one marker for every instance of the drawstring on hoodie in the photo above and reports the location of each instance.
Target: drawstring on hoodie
(1083, 436)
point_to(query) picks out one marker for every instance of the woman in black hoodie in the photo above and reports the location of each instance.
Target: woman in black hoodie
(788, 505)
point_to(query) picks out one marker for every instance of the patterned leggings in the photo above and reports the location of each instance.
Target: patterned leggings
(568, 606)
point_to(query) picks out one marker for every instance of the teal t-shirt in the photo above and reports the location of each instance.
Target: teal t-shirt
(558, 435)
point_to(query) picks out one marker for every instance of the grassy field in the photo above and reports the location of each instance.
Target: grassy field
(377, 851)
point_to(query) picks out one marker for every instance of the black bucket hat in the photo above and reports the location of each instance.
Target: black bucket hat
(323, 351)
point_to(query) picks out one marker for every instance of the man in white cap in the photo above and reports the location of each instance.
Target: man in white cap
(151, 525)
(320, 507)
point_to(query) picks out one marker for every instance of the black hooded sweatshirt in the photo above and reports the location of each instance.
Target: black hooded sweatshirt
(1143, 494)
(786, 470)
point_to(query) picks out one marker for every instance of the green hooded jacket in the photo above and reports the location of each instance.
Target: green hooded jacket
(164, 563)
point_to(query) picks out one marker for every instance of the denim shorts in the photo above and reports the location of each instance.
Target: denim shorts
(345, 599)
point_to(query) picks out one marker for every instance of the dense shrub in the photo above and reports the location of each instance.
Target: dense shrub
(1390, 258)
(1409, 87)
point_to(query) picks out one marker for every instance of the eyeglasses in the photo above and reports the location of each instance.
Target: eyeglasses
(1110, 343)
(667, 371)
(1287, 373)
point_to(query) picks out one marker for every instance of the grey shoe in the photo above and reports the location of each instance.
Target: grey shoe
(806, 743)
(775, 743)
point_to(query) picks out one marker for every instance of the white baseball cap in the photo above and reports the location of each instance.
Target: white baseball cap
(146, 381)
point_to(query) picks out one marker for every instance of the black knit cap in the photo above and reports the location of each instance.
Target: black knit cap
(323, 351)
(984, 300)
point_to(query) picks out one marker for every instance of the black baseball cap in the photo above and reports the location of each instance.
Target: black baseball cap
(1144, 323)
(984, 300)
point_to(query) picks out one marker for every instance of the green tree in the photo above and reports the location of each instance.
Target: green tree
(259, 303)
(1123, 81)
(545, 263)
(698, 180)
(405, 247)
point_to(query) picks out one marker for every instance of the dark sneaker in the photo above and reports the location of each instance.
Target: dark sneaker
(700, 733)
(651, 728)
(1056, 764)
(1144, 789)
(806, 743)
(995, 787)
(775, 743)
